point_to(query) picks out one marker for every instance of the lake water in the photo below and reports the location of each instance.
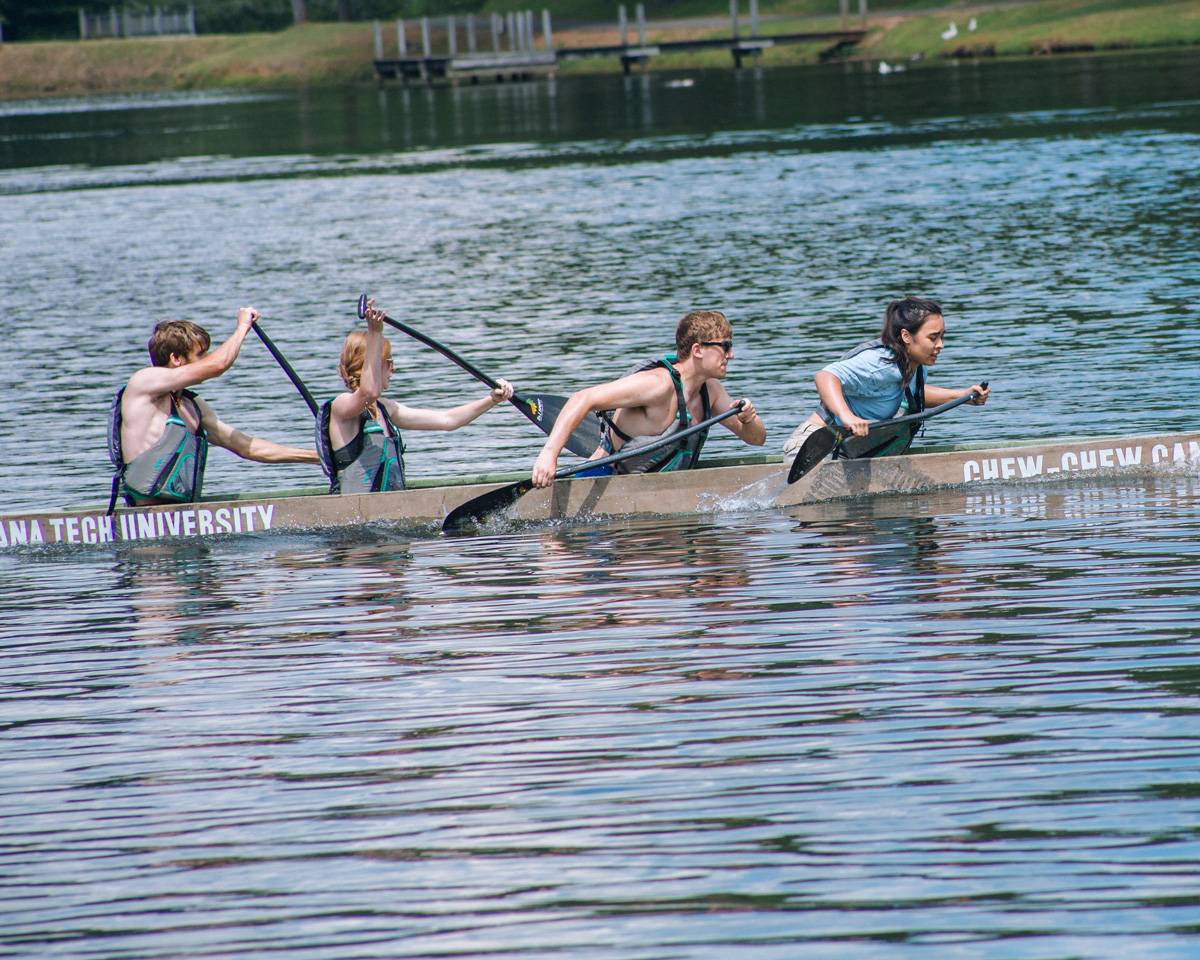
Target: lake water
(952, 725)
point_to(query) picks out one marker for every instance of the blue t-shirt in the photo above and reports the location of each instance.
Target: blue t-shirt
(871, 383)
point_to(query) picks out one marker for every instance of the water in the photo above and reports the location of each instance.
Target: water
(944, 725)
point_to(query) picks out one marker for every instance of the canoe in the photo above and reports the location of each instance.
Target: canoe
(757, 481)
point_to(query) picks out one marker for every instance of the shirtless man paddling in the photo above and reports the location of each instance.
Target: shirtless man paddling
(659, 396)
(161, 430)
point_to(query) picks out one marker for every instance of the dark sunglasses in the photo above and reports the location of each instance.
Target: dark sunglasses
(726, 345)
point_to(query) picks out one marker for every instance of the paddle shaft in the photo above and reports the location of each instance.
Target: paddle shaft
(287, 368)
(542, 409)
(926, 414)
(502, 497)
(821, 442)
(650, 447)
(444, 351)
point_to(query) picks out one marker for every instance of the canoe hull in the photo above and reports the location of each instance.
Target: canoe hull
(1027, 463)
(756, 482)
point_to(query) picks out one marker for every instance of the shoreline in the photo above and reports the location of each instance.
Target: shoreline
(340, 54)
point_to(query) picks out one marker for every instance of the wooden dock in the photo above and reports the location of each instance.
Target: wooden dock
(739, 48)
(515, 55)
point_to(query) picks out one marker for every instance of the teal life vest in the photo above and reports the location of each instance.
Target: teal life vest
(371, 462)
(172, 467)
(681, 456)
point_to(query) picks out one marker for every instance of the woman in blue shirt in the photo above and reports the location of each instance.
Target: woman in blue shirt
(884, 378)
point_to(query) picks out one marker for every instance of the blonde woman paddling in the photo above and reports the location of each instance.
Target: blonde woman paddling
(358, 431)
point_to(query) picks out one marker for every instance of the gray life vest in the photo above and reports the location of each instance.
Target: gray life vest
(914, 399)
(681, 456)
(371, 462)
(172, 467)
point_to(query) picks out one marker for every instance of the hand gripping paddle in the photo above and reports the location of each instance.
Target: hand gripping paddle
(819, 443)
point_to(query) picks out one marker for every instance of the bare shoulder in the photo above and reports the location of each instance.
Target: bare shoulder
(646, 386)
(151, 383)
(718, 396)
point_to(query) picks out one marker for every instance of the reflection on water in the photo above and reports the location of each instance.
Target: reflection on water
(949, 721)
(405, 128)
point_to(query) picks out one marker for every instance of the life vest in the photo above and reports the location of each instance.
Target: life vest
(681, 456)
(371, 462)
(914, 397)
(172, 467)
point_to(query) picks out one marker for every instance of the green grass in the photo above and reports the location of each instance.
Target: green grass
(1049, 26)
(342, 53)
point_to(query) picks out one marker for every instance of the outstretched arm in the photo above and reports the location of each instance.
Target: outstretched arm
(416, 418)
(637, 390)
(939, 395)
(221, 434)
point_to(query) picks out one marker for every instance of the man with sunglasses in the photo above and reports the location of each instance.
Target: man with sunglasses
(658, 397)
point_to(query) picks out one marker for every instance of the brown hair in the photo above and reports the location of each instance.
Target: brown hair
(700, 325)
(179, 337)
(354, 351)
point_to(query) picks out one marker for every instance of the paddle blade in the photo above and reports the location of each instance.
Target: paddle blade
(815, 449)
(476, 511)
(885, 441)
(543, 410)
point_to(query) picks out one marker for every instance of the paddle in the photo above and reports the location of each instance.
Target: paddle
(542, 409)
(820, 442)
(287, 368)
(479, 508)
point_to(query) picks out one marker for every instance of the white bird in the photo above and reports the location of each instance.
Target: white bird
(971, 25)
(950, 32)
(884, 68)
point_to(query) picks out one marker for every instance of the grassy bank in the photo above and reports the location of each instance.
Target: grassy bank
(320, 54)
(312, 54)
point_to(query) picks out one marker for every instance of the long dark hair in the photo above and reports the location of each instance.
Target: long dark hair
(908, 314)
